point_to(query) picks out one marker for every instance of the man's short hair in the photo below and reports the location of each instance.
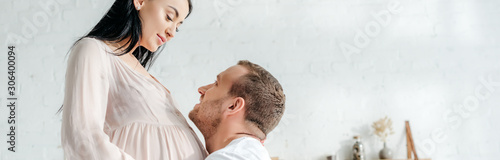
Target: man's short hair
(263, 94)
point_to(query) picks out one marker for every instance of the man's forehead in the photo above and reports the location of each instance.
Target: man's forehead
(232, 73)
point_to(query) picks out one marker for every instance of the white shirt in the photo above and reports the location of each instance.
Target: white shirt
(113, 112)
(245, 148)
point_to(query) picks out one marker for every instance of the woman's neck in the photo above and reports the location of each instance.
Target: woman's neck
(121, 46)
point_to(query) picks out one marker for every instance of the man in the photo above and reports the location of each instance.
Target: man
(237, 111)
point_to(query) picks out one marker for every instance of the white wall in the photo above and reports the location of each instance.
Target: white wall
(434, 63)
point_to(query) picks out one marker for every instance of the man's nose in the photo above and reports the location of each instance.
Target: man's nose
(204, 89)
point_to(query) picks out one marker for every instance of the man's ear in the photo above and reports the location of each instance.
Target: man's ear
(237, 106)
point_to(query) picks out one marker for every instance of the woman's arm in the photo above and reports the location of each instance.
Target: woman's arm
(85, 103)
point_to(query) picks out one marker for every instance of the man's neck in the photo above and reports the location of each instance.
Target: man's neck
(217, 142)
(222, 138)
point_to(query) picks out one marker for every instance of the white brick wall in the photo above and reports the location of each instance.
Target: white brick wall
(422, 65)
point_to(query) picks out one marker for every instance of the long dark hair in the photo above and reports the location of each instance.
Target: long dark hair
(122, 21)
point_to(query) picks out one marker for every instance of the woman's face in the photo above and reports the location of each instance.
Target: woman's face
(160, 20)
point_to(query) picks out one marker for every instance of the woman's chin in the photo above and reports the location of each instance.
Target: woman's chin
(152, 48)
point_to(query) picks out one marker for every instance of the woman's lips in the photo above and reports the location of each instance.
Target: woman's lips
(161, 38)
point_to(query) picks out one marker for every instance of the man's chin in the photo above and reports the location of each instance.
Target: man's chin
(191, 115)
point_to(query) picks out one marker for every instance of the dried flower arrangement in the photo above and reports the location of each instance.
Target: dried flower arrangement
(383, 128)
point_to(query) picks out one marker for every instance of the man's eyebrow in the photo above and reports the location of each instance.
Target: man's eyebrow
(176, 12)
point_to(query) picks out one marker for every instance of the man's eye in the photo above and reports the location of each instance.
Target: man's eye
(215, 83)
(168, 18)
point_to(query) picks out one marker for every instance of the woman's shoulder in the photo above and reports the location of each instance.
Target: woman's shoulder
(89, 50)
(89, 47)
(89, 43)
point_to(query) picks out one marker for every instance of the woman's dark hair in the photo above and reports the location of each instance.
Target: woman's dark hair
(122, 21)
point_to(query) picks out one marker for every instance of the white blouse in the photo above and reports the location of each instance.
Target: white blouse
(113, 112)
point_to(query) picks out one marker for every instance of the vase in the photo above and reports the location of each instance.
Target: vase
(385, 153)
(358, 150)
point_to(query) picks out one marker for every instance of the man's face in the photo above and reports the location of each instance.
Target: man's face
(214, 99)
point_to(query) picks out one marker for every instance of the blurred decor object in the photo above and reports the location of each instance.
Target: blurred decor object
(410, 146)
(358, 150)
(329, 157)
(275, 158)
(385, 153)
(383, 128)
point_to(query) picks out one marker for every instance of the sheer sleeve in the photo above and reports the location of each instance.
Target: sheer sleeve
(85, 104)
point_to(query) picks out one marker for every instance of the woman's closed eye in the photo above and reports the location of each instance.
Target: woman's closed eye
(171, 20)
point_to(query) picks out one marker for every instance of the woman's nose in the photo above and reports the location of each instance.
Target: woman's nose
(171, 31)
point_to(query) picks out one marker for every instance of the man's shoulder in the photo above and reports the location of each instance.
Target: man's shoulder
(244, 148)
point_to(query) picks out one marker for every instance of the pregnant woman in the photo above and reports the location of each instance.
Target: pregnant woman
(113, 108)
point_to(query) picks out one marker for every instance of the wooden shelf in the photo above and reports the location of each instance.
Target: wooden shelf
(384, 159)
(407, 159)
